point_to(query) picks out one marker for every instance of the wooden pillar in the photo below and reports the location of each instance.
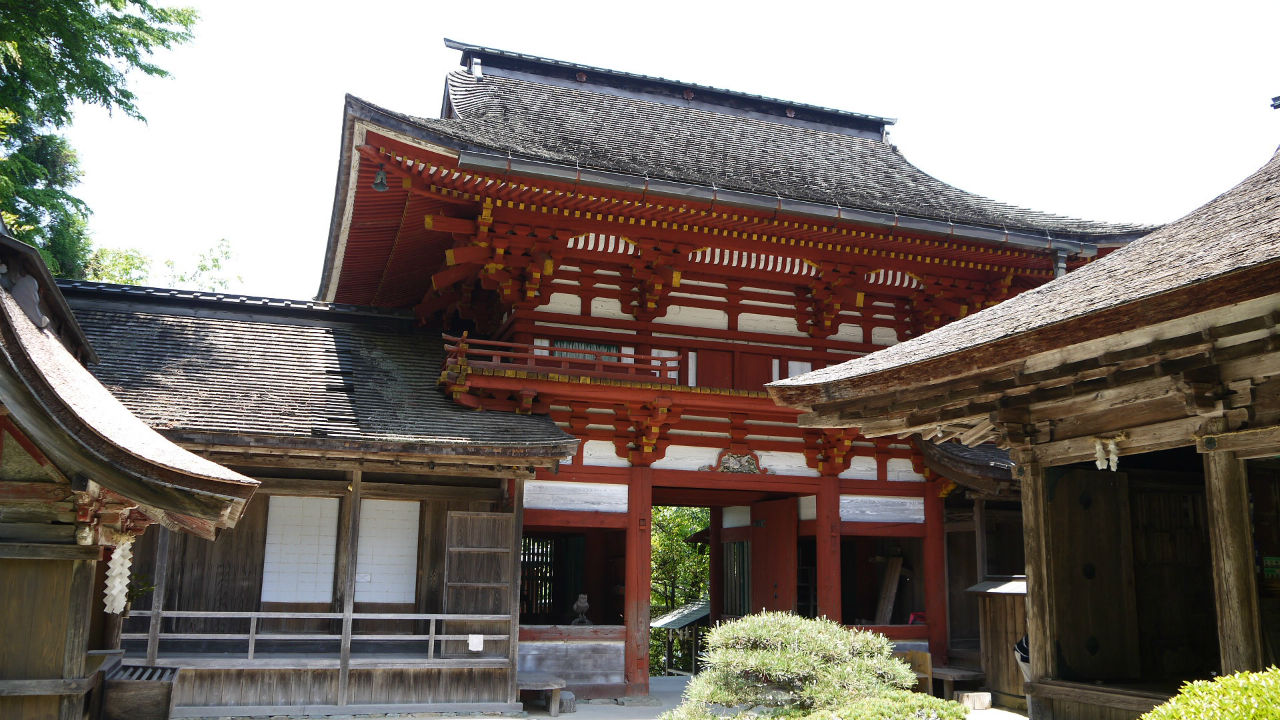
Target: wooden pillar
(513, 642)
(160, 568)
(79, 615)
(639, 573)
(1041, 627)
(935, 572)
(827, 542)
(1235, 592)
(980, 538)
(715, 583)
(350, 550)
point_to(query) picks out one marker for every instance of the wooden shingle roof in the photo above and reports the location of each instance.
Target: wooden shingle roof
(212, 368)
(591, 127)
(1224, 252)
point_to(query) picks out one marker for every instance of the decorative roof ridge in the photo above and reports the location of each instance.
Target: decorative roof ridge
(314, 308)
(468, 50)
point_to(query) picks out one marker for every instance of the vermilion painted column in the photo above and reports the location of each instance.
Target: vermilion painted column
(827, 537)
(935, 573)
(715, 583)
(638, 568)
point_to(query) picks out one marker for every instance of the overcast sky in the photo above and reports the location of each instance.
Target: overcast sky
(1113, 111)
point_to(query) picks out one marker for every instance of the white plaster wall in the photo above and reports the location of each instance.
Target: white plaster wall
(848, 332)
(604, 307)
(796, 367)
(877, 508)
(884, 336)
(387, 555)
(687, 457)
(302, 537)
(561, 495)
(862, 467)
(602, 453)
(902, 470)
(808, 507)
(772, 324)
(736, 516)
(562, 303)
(786, 463)
(695, 317)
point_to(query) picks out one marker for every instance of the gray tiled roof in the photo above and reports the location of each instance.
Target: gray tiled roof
(1238, 229)
(191, 364)
(597, 129)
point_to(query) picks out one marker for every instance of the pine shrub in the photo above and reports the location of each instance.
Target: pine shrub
(790, 667)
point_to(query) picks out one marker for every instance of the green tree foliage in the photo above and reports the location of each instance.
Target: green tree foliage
(798, 668)
(211, 271)
(54, 53)
(1242, 696)
(680, 568)
(120, 266)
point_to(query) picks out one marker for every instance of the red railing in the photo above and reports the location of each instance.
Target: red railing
(469, 352)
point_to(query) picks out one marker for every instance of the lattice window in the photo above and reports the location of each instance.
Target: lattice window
(537, 576)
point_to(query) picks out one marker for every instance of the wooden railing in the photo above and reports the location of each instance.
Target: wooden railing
(435, 621)
(462, 352)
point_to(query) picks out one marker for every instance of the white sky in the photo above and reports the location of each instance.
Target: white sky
(1114, 111)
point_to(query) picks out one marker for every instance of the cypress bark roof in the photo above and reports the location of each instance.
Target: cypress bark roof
(1237, 231)
(596, 127)
(314, 374)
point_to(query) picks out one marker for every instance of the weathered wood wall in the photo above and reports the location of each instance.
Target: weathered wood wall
(1004, 622)
(590, 658)
(1068, 710)
(201, 687)
(33, 622)
(1177, 628)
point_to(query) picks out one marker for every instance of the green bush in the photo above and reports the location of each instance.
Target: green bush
(791, 667)
(1242, 696)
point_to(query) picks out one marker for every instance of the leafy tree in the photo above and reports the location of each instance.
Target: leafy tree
(680, 569)
(210, 272)
(54, 53)
(123, 267)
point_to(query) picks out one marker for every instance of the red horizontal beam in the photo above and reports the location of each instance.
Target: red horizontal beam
(710, 479)
(572, 518)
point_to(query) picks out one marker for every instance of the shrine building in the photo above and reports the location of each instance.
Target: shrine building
(541, 314)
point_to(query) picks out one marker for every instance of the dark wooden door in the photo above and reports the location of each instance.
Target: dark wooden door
(479, 578)
(715, 368)
(1091, 568)
(774, 572)
(753, 371)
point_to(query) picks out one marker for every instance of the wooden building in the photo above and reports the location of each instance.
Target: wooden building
(81, 479)
(1139, 397)
(634, 258)
(377, 569)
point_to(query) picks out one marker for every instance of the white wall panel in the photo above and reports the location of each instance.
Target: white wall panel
(604, 307)
(602, 453)
(566, 303)
(884, 336)
(561, 495)
(862, 467)
(736, 516)
(302, 538)
(387, 557)
(901, 469)
(772, 324)
(695, 317)
(877, 508)
(786, 463)
(687, 457)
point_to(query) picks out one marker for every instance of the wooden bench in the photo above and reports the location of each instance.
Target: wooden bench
(951, 675)
(542, 681)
